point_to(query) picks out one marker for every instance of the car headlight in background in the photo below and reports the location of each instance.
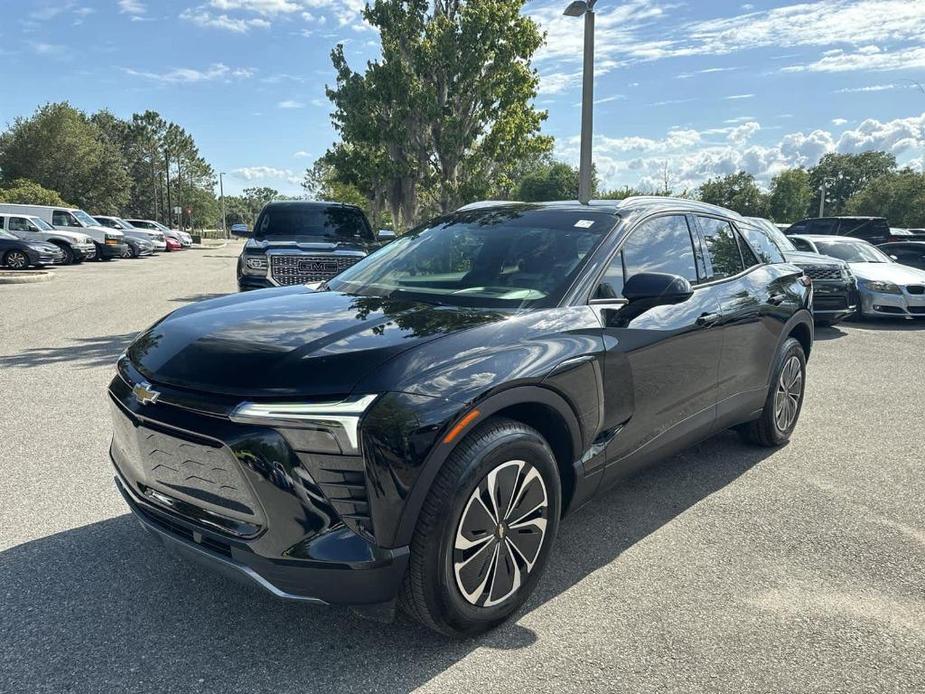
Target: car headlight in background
(255, 265)
(112, 240)
(40, 247)
(882, 287)
(321, 424)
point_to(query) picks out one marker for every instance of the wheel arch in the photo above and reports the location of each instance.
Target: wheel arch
(800, 327)
(538, 407)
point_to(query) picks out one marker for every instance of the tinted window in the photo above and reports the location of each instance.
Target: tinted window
(60, 218)
(107, 222)
(798, 228)
(19, 224)
(762, 243)
(852, 251)
(822, 226)
(722, 247)
(487, 258)
(313, 221)
(869, 230)
(802, 245)
(659, 245)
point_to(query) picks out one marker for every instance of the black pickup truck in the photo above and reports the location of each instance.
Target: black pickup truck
(298, 242)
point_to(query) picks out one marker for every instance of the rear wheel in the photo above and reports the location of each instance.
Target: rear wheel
(485, 532)
(16, 260)
(785, 399)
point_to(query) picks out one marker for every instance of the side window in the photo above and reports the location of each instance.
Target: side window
(802, 245)
(798, 228)
(722, 247)
(762, 244)
(822, 226)
(19, 224)
(60, 218)
(659, 245)
(2, 226)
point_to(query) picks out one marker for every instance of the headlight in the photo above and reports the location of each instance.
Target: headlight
(255, 264)
(882, 287)
(113, 240)
(323, 423)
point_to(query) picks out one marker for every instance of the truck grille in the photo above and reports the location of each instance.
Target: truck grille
(823, 272)
(299, 269)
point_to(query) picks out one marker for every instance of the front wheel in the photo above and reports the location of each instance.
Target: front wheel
(485, 532)
(129, 252)
(785, 399)
(16, 260)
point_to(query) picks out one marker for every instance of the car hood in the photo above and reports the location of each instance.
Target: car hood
(806, 258)
(303, 243)
(73, 236)
(289, 342)
(108, 230)
(888, 272)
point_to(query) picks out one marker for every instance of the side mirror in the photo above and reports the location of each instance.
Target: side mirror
(894, 257)
(386, 235)
(657, 289)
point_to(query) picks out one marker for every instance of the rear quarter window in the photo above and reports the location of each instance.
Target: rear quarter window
(762, 244)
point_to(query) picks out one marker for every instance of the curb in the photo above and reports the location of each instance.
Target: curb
(25, 276)
(209, 247)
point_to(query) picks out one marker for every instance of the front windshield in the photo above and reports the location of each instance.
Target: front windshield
(85, 219)
(510, 258)
(123, 224)
(41, 224)
(852, 252)
(315, 221)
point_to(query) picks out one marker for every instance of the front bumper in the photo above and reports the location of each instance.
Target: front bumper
(87, 251)
(248, 282)
(882, 305)
(111, 250)
(833, 300)
(45, 257)
(260, 517)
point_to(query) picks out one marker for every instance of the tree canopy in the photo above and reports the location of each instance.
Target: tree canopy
(22, 191)
(737, 192)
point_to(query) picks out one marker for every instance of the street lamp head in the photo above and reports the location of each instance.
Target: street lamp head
(577, 8)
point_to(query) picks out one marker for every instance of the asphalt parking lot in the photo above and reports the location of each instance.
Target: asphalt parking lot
(727, 568)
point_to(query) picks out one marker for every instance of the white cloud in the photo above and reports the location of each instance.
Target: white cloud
(865, 58)
(290, 104)
(839, 121)
(265, 7)
(737, 97)
(301, 154)
(134, 7)
(206, 19)
(185, 75)
(692, 158)
(266, 174)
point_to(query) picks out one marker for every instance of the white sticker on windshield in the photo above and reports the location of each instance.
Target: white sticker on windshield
(584, 223)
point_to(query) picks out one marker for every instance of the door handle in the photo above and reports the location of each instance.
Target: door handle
(708, 319)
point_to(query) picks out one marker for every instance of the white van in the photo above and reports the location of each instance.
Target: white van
(76, 246)
(110, 243)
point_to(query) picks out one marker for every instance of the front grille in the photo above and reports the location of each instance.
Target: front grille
(916, 289)
(822, 272)
(299, 269)
(917, 309)
(829, 303)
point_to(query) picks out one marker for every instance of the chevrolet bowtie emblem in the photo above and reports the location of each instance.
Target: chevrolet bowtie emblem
(145, 394)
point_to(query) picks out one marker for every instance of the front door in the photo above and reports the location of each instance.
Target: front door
(660, 364)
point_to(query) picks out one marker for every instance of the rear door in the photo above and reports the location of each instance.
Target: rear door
(756, 297)
(660, 364)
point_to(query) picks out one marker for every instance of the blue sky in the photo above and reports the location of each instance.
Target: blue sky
(694, 89)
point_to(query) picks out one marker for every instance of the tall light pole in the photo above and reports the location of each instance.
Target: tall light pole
(221, 192)
(822, 199)
(585, 8)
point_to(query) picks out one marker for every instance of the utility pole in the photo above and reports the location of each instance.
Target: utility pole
(221, 192)
(822, 199)
(169, 206)
(576, 9)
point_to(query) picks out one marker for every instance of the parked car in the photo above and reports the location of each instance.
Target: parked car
(172, 244)
(110, 243)
(297, 242)
(155, 237)
(411, 432)
(75, 247)
(137, 248)
(911, 253)
(16, 254)
(886, 288)
(239, 230)
(872, 229)
(185, 239)
(834, 290)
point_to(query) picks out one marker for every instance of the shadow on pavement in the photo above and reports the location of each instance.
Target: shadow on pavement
(829, 332)
(889, 324)
(84, 352)
(102, 608)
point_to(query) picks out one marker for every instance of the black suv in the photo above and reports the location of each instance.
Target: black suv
(411, 432)
(299, 242)
(876, 230)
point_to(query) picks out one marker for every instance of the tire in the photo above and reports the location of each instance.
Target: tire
(129, 252)
(774, 426)
(16, 260)
(69, 255)
(444, 588)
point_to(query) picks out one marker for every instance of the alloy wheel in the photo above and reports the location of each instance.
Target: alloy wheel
(127, 253)
(500, 533)
(16, 260)
(789, 393)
